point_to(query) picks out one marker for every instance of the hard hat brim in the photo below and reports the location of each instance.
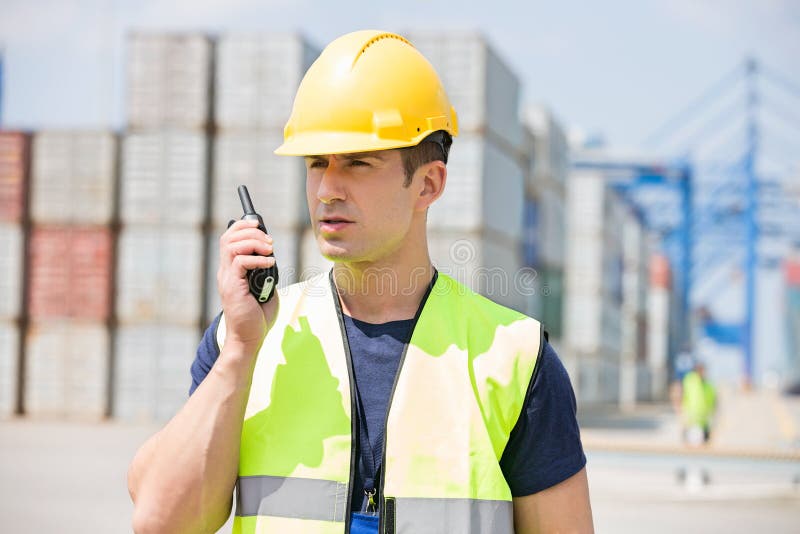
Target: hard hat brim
(323, 143)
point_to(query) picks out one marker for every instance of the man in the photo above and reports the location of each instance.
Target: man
(382, 396)
(698, 404)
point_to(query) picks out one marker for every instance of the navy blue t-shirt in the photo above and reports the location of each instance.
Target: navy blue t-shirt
(544, 447)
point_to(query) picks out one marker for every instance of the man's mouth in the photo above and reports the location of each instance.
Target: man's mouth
(333, 224)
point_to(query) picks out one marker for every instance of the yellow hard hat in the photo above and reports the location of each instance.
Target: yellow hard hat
(368, 90)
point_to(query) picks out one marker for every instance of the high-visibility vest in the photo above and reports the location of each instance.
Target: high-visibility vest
(459, 391)
(699, 400)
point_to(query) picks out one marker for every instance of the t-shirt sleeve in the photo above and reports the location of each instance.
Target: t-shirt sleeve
(544, 447)
(207, 354)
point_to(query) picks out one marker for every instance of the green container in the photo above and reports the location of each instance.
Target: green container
(552, 292)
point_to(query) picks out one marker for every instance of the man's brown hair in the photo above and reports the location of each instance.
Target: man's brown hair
(435, 147)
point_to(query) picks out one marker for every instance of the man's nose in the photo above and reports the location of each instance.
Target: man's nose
(331, 185)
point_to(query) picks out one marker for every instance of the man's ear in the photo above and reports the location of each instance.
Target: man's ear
(434, 177)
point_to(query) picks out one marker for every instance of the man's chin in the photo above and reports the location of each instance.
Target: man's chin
(334, 252)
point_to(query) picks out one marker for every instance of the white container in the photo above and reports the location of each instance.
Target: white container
(584, 268)
(550, 149)
(152, 370)
(277, 184)
(73, 177)
(164, 178)
(552, 223)
(9, 367)
(484, 190)
(159, 275)
(485, 263)
(257, 77)
(583, 322)
(586, 203)
(10, 270)
(483, 90)
(658, 328)
(311, 260)
(598, 381)
(286, 242)
(67, 369)
(594, 270)
(168, 81)
(644, 383)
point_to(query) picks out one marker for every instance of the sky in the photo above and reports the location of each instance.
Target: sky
(616, 69)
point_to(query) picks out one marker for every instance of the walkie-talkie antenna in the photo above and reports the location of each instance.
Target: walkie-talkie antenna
(247, 204)
(262, 281)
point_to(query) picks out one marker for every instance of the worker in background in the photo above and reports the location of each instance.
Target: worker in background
(382, 396)
(698, 404)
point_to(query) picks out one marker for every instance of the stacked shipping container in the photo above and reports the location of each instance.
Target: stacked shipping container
(69, 276)
(659, 303)
(163, 210)
(634, 372)
(475, 228)
(792, 279)
(593, 283)
(257, 77)
(14, 166)
(544, 221)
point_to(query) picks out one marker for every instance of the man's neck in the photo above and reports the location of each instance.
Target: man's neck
(378, 294)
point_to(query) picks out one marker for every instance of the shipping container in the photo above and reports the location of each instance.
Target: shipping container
(596, 330)
(311, 260)
(584, 268)
(644, 383)
(11, 270)
(597, 381)
(635, 384)
(484, 191)
(159, 275)
(658, 331)
(549, 148)
(257, 77)
(152, 370)
(67, 369)
(586, 205)
(277, 184)
(73, 177)
(70, 272)
(552, 225)
(9, 367)
(792, 314)
(164, 178)
(486, 263)
(531, 233)
(484, 91)
(14, 165)
(628, 375)
(552, 296)
(286, 243)
(791, 269)
(169, 78)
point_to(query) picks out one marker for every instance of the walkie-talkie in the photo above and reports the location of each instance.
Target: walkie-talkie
(262, 282)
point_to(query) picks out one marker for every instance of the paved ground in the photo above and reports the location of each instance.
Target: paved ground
(70, 477)
(641, 492)
(761, 424)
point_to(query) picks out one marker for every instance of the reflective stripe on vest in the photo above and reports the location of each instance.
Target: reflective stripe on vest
(458, 394)
(301, 498)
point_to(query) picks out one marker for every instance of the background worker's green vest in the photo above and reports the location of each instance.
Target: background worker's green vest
(458, 394)
(699, 400)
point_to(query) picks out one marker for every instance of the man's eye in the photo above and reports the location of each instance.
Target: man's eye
(317, 164)
(359, 163)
